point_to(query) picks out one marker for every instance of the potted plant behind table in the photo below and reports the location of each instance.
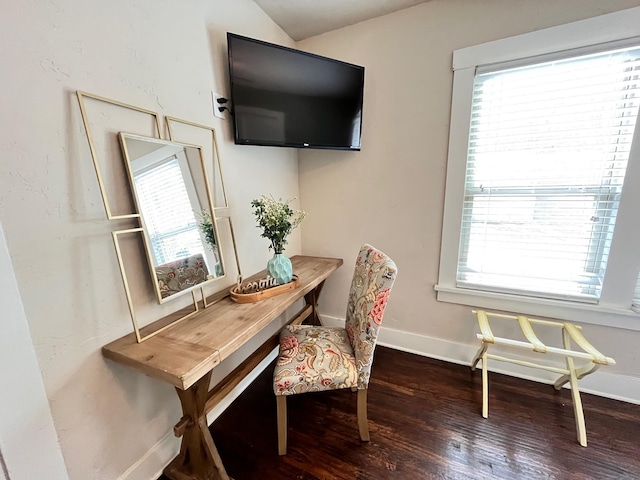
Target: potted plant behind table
(206, 227)
(277, 219)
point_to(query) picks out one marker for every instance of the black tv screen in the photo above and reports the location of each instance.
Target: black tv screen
(289, 98)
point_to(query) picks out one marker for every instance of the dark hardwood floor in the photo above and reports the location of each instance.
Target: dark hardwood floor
(425, 422)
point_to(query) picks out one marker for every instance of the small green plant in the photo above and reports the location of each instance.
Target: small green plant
(206, 226)
(276, 219)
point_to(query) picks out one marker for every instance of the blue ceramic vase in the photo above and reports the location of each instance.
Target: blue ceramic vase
(279, 267)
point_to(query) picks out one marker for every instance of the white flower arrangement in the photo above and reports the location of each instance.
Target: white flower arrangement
(277, 219)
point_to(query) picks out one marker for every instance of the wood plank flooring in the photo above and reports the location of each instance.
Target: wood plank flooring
(425, 423)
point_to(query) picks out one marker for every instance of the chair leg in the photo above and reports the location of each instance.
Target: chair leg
(282, 424)
(363, 424)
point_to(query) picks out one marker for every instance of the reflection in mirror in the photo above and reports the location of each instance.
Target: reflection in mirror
(172, 193)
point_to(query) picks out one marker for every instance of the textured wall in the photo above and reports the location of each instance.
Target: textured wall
(162, 55)
(29, 426)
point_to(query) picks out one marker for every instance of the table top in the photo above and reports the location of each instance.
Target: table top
(184, 353)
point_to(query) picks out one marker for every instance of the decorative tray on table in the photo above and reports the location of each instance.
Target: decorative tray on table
(250, 292)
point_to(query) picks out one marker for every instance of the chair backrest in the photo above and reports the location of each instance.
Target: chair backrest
(373, 279)
(173, 277)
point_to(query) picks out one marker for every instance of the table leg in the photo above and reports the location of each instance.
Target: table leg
(198, 458)
(312, 299)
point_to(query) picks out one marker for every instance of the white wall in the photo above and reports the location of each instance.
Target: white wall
(162, 55)
(26, 425)
(391, 193)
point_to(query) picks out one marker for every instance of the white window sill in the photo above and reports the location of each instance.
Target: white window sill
(609, 316)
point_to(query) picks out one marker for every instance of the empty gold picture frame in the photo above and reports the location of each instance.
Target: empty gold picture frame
(94, 157)
(140, 337)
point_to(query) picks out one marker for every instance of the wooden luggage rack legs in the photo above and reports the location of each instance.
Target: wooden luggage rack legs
(570, 374)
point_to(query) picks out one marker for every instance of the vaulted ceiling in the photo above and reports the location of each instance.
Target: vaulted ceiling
(305, 18)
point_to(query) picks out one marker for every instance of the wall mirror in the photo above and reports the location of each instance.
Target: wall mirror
(173, 196)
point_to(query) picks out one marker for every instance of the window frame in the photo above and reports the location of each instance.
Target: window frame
(595, 34)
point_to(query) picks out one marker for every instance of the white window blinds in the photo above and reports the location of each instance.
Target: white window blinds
(548, 150)
(168, 213)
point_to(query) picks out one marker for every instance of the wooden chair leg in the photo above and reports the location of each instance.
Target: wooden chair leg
(485, 387)
(363, 424)
(282, 424)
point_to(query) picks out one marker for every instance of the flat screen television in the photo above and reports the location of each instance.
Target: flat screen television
(289, 98)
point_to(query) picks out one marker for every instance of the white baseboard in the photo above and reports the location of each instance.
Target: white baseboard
(618, 387)
(151, 465)
(602, 383)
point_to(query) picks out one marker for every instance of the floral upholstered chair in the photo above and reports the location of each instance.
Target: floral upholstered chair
(181, 274)
(314, 359)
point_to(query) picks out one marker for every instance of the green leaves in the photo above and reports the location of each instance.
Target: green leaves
(206, 226)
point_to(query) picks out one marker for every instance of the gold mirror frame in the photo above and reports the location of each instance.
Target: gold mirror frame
(216, 210)
(115, 234)
(127, 143)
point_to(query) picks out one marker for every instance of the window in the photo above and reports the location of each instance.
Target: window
(166, 206)
(548, 150)
(540, 148)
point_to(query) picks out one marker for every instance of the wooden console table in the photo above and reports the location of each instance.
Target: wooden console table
(185, 355)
